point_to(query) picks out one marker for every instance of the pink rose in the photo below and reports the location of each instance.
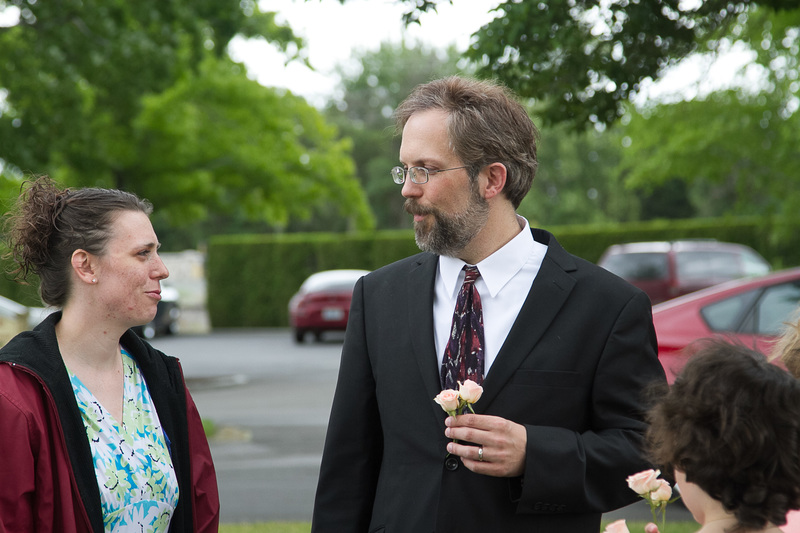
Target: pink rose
(617, 527)
(644, 482)
(448, 399)
(470, 391)
(663, 493)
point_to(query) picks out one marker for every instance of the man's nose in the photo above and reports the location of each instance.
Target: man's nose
(411, 189)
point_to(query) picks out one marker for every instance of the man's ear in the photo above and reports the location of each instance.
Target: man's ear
(83, 264)
(495, 179)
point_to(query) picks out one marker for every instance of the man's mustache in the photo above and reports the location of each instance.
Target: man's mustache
(413, 208)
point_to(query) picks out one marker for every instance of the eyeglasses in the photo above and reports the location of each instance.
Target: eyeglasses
(418, 175)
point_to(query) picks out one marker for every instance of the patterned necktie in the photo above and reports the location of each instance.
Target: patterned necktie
(463, 357)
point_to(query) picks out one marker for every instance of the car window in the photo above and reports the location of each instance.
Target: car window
(704, 265)
(726, 315)
(642, 266)
(337, 285)
(754, 265)
(330, 284)
(775, 308)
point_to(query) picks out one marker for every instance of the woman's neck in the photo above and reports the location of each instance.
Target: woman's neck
(87, 343)
(725, 523)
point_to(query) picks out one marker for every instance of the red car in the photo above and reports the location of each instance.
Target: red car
(752, 311)
(323, 303)
(666, 269)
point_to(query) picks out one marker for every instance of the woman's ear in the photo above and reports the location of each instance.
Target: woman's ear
(495, 179)
(83, 264)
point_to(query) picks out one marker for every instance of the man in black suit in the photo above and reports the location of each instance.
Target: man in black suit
(566, 350)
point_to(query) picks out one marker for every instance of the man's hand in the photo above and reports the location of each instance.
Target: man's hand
(502, 441)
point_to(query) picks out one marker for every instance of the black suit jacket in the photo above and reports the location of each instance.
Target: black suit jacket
(572, 370)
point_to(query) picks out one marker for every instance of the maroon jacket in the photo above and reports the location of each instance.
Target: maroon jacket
(47, 480)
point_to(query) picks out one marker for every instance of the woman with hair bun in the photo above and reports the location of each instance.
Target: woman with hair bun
(98, 432)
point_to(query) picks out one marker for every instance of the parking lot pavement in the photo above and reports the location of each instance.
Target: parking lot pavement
(269, 399)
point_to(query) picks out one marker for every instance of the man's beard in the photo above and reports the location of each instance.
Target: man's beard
(448, 234)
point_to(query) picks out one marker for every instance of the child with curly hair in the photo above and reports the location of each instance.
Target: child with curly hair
(729, 429)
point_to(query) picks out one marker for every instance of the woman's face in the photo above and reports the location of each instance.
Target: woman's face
(130, 271)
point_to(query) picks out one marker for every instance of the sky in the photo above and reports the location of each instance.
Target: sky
(333, 32)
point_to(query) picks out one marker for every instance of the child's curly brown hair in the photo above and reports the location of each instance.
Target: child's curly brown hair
(731, 424)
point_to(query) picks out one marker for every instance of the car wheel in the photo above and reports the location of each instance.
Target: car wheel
(299, 335)
(318, 336)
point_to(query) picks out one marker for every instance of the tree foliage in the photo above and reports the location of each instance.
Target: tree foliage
(228, 145)
(74, 72)
(583, 59)
(142, 96)
(577, 181)
(736, 155)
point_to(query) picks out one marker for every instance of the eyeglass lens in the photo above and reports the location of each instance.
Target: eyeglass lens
(416, 174)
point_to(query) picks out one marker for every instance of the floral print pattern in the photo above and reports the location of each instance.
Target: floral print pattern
(138, 485)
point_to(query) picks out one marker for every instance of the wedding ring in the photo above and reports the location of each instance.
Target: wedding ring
(480, 453)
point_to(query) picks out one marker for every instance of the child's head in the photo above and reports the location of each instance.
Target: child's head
(731, 424)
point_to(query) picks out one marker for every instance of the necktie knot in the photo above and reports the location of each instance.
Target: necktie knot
(471, 273)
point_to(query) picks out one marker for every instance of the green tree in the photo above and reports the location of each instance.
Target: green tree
(143, 96)
(577, 181)
(582, 59)
(74, 72)
(364, 114)
(735, 153)
(225, 144)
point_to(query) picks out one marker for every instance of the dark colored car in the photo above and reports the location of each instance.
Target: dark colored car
(323, 303)
(751, 311)
(665, 270)
(167, 314)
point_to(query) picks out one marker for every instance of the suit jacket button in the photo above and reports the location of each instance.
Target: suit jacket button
(451, 463)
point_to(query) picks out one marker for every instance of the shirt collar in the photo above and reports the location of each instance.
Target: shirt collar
(497, 269)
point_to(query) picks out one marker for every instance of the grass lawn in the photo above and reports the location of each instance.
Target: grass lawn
(267, 527)
(305, 527)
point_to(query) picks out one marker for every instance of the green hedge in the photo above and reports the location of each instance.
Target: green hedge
(252, 277)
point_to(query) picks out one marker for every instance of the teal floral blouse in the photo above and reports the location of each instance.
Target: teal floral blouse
(138, 485)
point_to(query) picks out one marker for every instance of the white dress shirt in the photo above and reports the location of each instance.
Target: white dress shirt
(505, 280)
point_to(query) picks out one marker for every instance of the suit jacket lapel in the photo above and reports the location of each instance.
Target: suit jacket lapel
(549, 292)
(421, 279)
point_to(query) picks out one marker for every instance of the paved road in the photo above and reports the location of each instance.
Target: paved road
(270, 399)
